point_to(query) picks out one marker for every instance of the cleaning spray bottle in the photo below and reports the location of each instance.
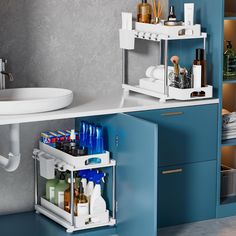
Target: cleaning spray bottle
(97, 203)
(83, 174)
(90, 186)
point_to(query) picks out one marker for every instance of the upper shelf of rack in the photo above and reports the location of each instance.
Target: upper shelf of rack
(159, 32)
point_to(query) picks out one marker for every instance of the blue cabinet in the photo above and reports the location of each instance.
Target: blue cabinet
(187, 193)
(187, 152)
(186, 135)
(133, 144)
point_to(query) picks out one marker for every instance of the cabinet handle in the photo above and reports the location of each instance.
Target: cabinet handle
(168, 172)
(178, 113)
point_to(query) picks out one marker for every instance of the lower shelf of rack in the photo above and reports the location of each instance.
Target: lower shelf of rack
(174, 93)
(63, 218)
(30, 223)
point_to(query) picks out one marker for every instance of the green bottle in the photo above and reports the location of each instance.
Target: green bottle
(59, 191)
(50, 190)
(229, 61)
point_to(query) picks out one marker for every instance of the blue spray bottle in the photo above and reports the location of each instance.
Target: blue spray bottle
(83, 174)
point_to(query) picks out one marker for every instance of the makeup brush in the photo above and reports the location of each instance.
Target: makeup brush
(175, 61)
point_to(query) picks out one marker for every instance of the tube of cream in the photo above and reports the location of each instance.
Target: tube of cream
(188, 14)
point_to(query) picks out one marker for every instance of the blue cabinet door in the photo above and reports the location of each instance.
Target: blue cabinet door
(186, 135)
(187, 193)
(133, 144)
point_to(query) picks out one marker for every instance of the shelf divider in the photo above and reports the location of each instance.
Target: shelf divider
(229, 142)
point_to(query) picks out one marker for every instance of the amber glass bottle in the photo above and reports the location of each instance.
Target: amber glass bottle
(67, 198)
(144, 12)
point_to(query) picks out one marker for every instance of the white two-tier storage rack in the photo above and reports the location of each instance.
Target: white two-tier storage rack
(161, 34)
(65, 162)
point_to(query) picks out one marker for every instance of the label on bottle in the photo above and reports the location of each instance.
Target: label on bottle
(61, 200)
(83, 209)
(172, 19)
(52, 194)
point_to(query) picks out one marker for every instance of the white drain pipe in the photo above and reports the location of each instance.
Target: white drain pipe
(11, 163)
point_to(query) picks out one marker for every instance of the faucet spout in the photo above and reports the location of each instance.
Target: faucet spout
(4, 74)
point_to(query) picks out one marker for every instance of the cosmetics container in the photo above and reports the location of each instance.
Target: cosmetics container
(172, 16)
(144, 12)
(200, 60)
(189, 14)
(197, 76)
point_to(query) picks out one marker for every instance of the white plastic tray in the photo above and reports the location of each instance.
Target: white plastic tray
(170, 31)
(81, 162)
(64, 218)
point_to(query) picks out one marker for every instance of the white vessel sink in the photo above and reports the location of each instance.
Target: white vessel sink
(33, 100)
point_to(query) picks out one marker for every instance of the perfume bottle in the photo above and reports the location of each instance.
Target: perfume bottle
(200, 61)
(229, 61)
(172, 16)
(144, 12)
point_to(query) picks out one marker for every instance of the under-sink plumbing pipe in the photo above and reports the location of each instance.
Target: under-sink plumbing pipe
(11, 163)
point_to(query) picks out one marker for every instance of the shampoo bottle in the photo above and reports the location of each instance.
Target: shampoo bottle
(59, 191)
(50, 189)
(97, 203)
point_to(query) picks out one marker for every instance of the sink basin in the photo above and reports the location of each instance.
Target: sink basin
(33, 100)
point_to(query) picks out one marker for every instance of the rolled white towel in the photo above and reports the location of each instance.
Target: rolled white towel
(158, 72)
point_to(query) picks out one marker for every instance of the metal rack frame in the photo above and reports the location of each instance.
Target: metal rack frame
(160, 39)
(70, 226)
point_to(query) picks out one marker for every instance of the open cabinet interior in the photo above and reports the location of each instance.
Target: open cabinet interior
(130, 188)
(230, 8)
(133, 144)
(228, 150)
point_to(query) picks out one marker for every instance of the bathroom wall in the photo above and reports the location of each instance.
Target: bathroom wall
(61, 43)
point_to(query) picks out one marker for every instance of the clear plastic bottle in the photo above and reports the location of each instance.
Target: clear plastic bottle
(229, 61)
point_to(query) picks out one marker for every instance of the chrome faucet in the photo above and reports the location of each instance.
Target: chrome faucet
(4, 74)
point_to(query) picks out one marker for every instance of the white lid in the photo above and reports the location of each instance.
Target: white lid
(72, 134)
(69, 181)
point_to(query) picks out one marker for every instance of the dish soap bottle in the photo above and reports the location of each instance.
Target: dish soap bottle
(229, 61)
(82, 202)
(144, 12)
(59, 191)
(50, 189)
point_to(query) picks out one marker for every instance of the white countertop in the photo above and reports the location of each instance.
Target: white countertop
(116, 103)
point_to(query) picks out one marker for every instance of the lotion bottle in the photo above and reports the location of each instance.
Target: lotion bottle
(200, 60)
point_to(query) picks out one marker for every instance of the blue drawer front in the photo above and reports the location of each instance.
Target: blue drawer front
(186, 134)
(187, 193)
